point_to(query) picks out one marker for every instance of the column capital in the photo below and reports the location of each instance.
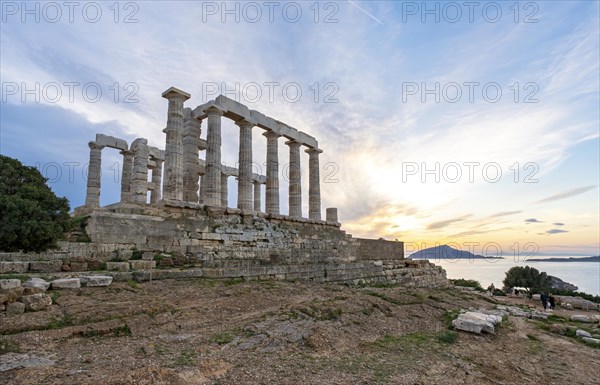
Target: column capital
(126, 152)
(175, 93)
(313, 151)
(95, 146)
(245, 123)
(271, 135)
(214, 110)
(293, 144)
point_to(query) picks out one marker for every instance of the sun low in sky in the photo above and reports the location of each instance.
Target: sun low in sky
(471, 123)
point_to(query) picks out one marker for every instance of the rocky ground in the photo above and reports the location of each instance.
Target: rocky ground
(204, 331)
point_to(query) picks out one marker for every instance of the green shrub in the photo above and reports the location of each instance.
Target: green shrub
(467, 283)
(32, 217)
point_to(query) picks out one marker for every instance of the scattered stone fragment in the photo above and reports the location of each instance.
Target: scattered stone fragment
(15, 308)
(35, 285)
(583, 333)
(476, 322)
(36, 302)
(591, 341)
(6, 284)
(581, 318)
(66, 283)
(96, 280)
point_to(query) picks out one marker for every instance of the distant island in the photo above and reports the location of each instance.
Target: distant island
(570, 259)
(446, 252)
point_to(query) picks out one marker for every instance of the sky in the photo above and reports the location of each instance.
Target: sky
(474, 124)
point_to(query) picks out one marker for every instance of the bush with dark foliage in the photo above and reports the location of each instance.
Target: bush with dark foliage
(32, 217)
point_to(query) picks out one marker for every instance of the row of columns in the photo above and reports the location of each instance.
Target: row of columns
(134, 174)
(213, 183)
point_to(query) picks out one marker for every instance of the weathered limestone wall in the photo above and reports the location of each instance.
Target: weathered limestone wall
(215, 233)
(378, 249)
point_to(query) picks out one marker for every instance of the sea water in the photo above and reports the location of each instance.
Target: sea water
(585, 275)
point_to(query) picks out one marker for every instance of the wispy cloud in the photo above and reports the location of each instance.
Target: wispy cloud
(558, 224)
(447, 222)
(556, 231)
(505, 213)
(532, 220)
(567, 194)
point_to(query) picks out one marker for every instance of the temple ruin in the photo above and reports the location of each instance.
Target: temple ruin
(174, 220)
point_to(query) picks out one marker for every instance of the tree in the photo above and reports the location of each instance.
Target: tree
(32, 217)
(527, 277)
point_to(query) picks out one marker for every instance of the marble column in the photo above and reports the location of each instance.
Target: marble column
(314, 188)
(224, 199)
(139, 177)
(191, 149)
(173, 180)
(272, 186)
(156, 179)
(126, 175)
(245, 166)
(212, 176)
(201, 196)
(92, 196)
(256, 195)
(295, 187)
(331, 214)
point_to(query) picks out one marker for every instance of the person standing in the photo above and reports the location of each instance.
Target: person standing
(544, 298)
(551, 301)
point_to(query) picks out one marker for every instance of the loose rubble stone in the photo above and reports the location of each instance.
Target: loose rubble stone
(581, 318)
(35, 302)
(96, 280)
(79, 266)
(117, 266)
(10, 295)
(14, 267)
(148, 256)
(583, 333)
(45, 266)
(6, 284)
(591, 341)
(35, 285)
(15, 308)
(66, 283)
(142, 265)
(475, 322)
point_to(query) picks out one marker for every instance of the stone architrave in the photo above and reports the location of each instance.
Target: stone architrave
(212, 176)
(245, 165)
(173, 178)
(314, 187)
(257, 195)
(92, 197)
(126, 175)
(272, 184)
(295, 178)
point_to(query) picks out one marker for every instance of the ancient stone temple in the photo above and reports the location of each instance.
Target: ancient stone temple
(174, 206)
